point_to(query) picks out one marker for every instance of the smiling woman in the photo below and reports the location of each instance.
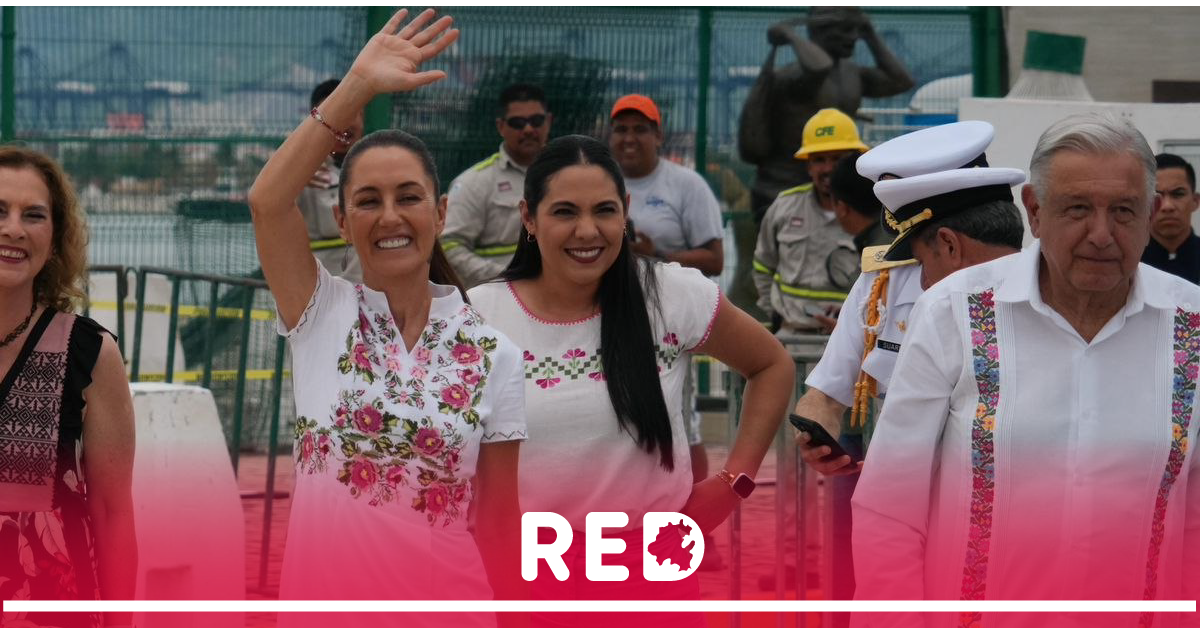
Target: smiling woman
(410, 406)
(66, 417)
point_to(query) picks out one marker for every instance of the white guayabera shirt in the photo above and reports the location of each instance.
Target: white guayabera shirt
(1014, 460)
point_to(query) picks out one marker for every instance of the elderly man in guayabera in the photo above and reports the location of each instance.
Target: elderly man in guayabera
(1035, 443)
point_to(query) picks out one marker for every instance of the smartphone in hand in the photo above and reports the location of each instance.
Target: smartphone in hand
(818, 437)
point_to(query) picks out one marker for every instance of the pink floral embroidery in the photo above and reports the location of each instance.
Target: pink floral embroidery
(308, 447)
(528, 356)
(429, 442)
(574, 354)
(456, 396)
(1183, 398)
(397, 475)
(381, 432)
(465, 355)
(598, 376)
(671, 339)
(362, 358)
(368, 420)
(548, 382)
(469, 377)
(985, 353)
(435, 498)
(363, 474)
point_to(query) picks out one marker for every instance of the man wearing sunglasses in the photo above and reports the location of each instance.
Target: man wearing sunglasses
(483, 219)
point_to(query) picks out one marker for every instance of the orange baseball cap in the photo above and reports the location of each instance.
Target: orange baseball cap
(638, 103)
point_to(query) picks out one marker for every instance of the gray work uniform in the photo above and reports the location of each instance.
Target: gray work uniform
(316, 205)
(793, 259)
(483, 219)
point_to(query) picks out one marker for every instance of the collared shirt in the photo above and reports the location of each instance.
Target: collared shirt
(791, 259)
(1015, 460)
(483, 219)
(1184, 262)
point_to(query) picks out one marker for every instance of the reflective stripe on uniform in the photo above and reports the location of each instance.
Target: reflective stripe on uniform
(805, 293)
(796, 190)
(495, 251)
(487, 162)
(483, 251)
(793, 291)
(321, 245)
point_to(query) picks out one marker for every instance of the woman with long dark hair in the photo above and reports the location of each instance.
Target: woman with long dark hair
(66, 414)
(603, 331)
(409, 406)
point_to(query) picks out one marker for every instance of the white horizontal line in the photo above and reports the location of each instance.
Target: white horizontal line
(593, 606)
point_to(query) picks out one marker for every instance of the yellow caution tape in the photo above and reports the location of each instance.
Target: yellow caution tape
(189, 311)
(217, 376)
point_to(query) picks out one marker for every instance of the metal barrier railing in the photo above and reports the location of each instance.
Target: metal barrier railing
(806, 351)
(242, 291)
(122, 293)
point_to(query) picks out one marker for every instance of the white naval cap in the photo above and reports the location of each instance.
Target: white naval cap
(937, 148)
(913, 200)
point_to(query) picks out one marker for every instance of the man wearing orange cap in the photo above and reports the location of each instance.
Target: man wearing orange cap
(800, 231)
(675, 215)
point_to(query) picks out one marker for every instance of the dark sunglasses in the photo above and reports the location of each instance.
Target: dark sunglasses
(518, 122)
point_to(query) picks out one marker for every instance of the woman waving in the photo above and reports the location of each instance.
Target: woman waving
(410, 406)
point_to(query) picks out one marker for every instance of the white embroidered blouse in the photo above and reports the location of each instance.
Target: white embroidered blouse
(387, 440)
(578, 459)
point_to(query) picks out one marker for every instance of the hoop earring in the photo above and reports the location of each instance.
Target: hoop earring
(529, 237)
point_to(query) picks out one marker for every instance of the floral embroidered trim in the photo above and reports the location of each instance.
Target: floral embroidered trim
(537, 318)
(575, 363)
(1183, 398)
(504, 436)
(312, 303)
(985, 351)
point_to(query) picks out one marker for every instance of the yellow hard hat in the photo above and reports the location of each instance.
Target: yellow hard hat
(829, 130)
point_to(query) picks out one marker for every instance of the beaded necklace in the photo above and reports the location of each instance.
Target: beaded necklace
(20, 328)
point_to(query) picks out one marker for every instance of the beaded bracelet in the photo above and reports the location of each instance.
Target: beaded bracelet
(342, 137)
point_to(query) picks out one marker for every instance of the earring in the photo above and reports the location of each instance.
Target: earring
(529, 237)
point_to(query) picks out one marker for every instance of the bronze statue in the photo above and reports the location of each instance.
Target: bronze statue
(823, 75)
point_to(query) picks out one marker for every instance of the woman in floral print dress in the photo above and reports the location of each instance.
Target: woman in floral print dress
(66, 416)
(410, 407)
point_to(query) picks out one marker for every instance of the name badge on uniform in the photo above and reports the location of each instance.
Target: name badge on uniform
(888, 346)
(504, 186)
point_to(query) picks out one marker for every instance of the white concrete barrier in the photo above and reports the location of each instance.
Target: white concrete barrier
(190, 525)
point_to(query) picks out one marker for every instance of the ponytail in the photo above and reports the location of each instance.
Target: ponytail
(441, 272)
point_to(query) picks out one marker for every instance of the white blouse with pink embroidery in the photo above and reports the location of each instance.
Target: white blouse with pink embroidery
(387, 441)
(578, 459)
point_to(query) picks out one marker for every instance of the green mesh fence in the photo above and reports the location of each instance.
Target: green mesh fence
(163, 116)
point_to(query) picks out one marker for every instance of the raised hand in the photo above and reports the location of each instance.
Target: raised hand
(391, 59)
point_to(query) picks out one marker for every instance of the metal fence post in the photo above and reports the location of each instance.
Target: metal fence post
(239, 396)
(8, 74)
(139, 311)
(272, 443)
(378, 113)
(988, 51)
